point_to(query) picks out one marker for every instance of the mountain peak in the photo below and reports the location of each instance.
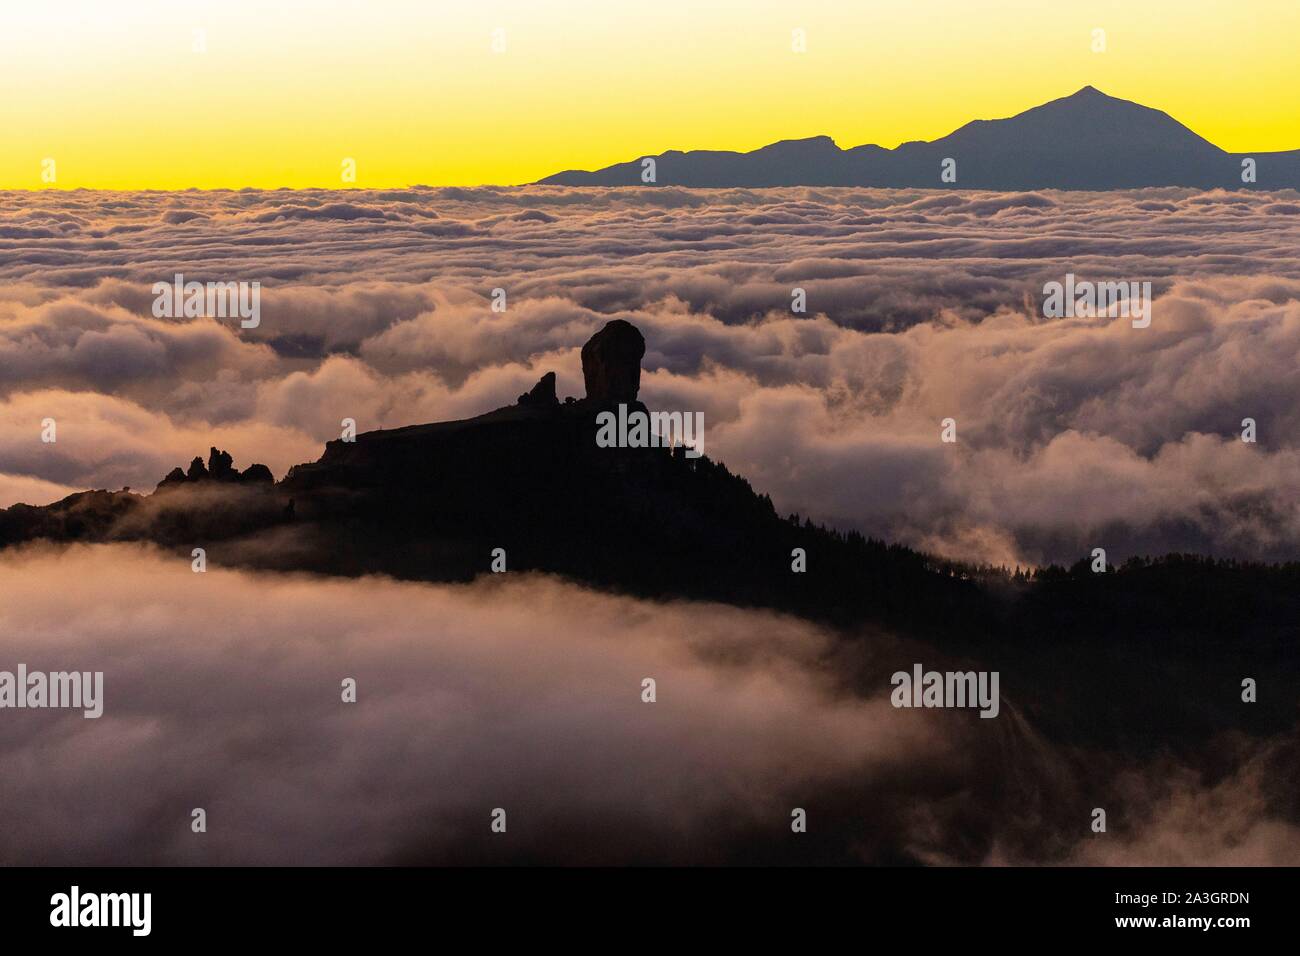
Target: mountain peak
(816, 141)
(1090, 95)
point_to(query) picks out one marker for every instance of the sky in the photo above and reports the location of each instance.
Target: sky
(235, 93)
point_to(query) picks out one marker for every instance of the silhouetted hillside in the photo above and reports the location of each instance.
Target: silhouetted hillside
(1151, 653)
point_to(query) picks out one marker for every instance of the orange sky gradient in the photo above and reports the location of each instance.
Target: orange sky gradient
(228, 94)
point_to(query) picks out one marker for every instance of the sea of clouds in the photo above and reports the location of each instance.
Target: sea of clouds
(922, 305)
(222, 692)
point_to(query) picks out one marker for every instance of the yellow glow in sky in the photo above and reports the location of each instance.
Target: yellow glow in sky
(231, 93)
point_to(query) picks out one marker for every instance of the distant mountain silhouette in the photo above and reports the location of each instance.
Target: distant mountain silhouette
(1085, 141)
(431, 502)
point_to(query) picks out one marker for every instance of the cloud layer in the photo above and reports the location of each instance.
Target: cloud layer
(222, 691)
(921, 305)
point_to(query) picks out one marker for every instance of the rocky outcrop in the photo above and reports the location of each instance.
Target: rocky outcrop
(611, 363)
(220, 467)
(611, 370)
(542, 395)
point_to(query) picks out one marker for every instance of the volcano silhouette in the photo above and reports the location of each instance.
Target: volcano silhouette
(1084, 141)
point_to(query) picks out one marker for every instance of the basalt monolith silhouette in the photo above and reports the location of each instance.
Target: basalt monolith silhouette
(611, 363)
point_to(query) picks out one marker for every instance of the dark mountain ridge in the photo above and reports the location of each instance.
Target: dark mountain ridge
(1084, 141)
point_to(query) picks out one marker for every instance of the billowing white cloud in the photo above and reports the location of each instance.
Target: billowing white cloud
(223, 691)
(922, 305)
